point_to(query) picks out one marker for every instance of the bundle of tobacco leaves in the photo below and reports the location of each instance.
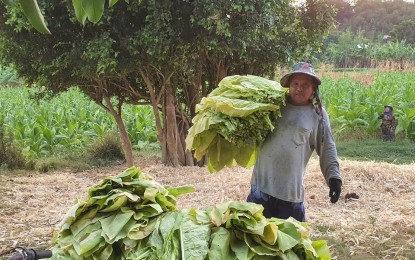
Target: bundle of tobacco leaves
(131, 216)
(234, 119)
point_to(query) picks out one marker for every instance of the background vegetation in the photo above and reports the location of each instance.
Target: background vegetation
(369, 33)
(168, 54)
(69, 126)
(366, 61)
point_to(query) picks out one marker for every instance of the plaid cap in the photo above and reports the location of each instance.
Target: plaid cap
(300, 68)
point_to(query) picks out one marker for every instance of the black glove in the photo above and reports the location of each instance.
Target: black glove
(335, 189)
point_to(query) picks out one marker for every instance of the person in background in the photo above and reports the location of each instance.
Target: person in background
(388, 123)
(304, 127)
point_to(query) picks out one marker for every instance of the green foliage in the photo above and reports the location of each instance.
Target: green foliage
(355, 108)
(167, 53)
(33, 14)
(377, 18)
(404, 31)
(131, 216)
(115, 216)
(139, 121)
(8, 77)
(105, 148)
(63, 125)
(344, 52)
(234, 120)
(354, 50)
(366, 23)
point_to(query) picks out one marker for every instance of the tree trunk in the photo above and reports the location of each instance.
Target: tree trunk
(128, 149)
(172, 126)
(99, 95)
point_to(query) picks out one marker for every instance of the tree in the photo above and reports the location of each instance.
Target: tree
(404, 31)
(344, 11)
(167, 53)
(377, 18)
(72, 56)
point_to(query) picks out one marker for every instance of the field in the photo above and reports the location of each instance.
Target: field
(64, 125)
(377, 225)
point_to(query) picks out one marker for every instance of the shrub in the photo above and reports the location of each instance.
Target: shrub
(105, 148)
(11, 156)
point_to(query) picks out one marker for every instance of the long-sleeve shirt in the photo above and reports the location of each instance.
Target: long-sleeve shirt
(281, 164)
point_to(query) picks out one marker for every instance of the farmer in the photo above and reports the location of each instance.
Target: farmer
(304, 127)
(388, 123)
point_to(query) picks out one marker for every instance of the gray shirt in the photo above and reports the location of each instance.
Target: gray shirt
(281, 163)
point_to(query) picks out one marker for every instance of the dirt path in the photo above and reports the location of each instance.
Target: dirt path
(378, 225)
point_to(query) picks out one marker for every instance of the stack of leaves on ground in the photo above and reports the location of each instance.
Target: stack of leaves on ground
(131, 216)
(115, 215)
(234, 119)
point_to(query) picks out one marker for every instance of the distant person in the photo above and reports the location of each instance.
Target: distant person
(278, 177)
(388, 123)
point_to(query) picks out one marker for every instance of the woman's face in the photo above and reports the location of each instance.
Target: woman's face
(301, 89)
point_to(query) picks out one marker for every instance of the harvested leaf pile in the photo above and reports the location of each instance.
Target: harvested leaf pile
(234, 119)
(114, 216)
(131, 216)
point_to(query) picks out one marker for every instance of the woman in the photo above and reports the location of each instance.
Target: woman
(277, 180)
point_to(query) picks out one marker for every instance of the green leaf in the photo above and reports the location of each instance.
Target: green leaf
(71, 215)
(104, 254)
(246, 155)
(220, 244)
(195, 238)
(240, 248)
(142, 230)
(84, 220)
(221, 155)
(287, 241)
(112, 2)
(322, 249)
(258, 248)
(34, 15)
(147, 211)
(270, 233)
(218, 215)
(235, 107)
(113, 224)
(180, 190)
(80, 13)
(88, 238)
(93, 9)
(166, 237)
(115, 202)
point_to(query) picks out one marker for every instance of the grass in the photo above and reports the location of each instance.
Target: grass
(398, 152)
(378, 247)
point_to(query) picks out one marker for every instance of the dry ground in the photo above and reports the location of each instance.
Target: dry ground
(378, 225)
